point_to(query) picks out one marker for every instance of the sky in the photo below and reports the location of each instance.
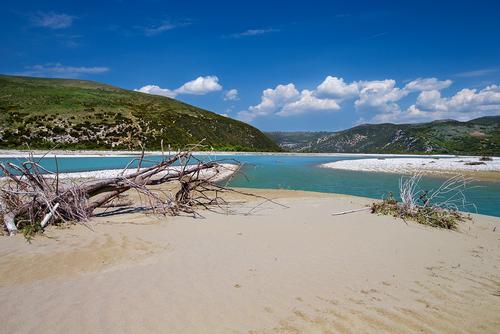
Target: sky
(279, 65)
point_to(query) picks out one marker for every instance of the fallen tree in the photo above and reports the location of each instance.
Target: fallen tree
(32, 196)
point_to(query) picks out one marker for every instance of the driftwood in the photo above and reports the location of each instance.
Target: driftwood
(351, 211)
(49, 215)
(32, 196)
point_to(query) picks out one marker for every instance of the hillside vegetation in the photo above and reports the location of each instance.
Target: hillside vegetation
(78, 114)
(480, 136)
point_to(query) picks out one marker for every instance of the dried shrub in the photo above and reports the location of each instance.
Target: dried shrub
(436, 207)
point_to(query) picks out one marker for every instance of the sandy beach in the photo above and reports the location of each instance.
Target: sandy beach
(276, 270)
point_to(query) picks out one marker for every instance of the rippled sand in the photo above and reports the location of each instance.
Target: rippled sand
(275, 270)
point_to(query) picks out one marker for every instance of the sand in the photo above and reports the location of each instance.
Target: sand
(277, 270)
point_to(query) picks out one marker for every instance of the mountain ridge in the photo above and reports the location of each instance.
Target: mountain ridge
(83, 114)
(480, 136)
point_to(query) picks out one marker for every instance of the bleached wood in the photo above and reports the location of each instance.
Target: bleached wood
(49, 215)
(350, 211)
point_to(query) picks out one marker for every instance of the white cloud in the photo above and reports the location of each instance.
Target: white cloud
(156, 90)
(231, 95)
(252, 32)
(430, 100)
(161, 27)
(307, 103)
(286, 100)
(52, 20)
(271, 100)
(383, 95)
(375, 95)
(379, 94)
(477, 73)
(379, 98)
(154, 30)
(199, 86)
(465, 101)
(336, 87)
(464, 105)
(423, 84)
(62, 71)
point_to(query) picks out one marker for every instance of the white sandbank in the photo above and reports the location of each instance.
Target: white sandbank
(410, 165)
(222, 172)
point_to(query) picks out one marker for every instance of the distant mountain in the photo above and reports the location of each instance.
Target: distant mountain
(480, 136)
(78, 114)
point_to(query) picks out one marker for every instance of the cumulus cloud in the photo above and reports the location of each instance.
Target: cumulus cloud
(199, 86)
(231, 95)
(464, 105)
(271, 101)
(337, 88)
(379, 97)
(157, 90)
(308, 102)
(286, 100)
(383, 95)
(329, 95)
(465, 101)
(52, 20)
(429, 99)
(62, 71)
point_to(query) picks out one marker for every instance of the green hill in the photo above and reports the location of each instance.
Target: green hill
(476, 137)
(79, 114)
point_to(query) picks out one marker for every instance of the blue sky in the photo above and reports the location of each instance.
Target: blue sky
(280, 65)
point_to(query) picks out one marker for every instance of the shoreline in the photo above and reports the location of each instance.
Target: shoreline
(7, 153)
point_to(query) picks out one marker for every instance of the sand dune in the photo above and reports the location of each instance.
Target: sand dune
(278, 270)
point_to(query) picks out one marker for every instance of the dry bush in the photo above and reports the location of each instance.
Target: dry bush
(436, 207)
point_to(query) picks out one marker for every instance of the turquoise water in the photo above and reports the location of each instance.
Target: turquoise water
(301, 173)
